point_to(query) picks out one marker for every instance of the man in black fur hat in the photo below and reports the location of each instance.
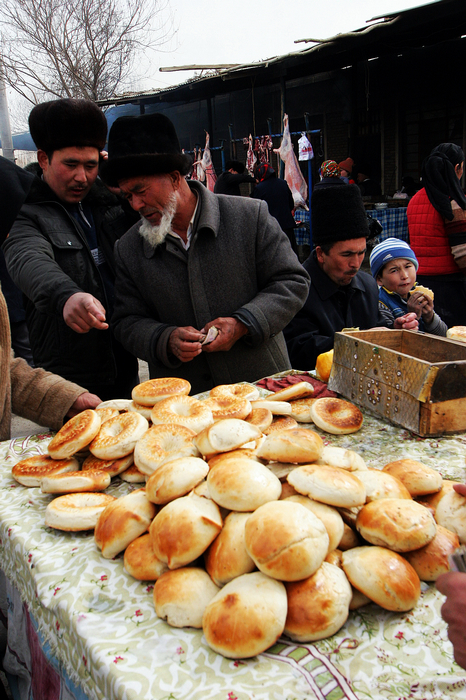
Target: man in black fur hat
(341, 296)
(60, 251)
(197, 262)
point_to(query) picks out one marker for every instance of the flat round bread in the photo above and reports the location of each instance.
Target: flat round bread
(242, 484)
(295, 391)
(336, 416)
(118, 436)
(76, 511)
(175, 479)
(163, 443)
(30, 471)
(281, 423)
(111, 466)
(301, 410)
(432, 561)
(75, 435)
(457, 333)
(75, 482)
(153, 390)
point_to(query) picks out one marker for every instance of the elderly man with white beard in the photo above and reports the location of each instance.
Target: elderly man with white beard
(196, 261)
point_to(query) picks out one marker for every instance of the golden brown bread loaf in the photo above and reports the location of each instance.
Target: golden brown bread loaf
(140, 561)
(246, 616)
(457, 333)
(319, 605)
(431, 561)
(380, 484)
(330, 517)
(125, 519)
(227, 557)
(419, 479)
(242, 484)
(176, 478)
(383, 576)
(225, 435)
(118, 436)
(286, 540)
(184, 528)
(396, 523)
(451, 513)
(181, 596)
(296, 445)
(330, 485)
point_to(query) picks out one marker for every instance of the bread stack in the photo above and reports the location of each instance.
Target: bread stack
(251, 534)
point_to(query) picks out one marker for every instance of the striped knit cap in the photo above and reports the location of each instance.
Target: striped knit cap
(390, 249)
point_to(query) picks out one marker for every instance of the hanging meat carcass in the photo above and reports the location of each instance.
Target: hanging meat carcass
(251, 159)
(293, 174)
(207, 165)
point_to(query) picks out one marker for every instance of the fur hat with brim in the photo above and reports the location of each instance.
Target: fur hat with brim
(144, 145)
(338, 214)
(67, 123)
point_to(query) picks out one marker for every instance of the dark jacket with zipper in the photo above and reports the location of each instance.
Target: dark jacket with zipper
(49, 259)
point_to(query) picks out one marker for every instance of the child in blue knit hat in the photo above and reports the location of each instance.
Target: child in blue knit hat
(394, 267)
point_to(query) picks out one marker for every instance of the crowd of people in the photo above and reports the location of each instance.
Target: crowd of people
(119, 256)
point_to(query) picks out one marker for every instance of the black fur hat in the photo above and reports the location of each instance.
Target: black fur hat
(144, 145)
(67, 122)
(338, 214)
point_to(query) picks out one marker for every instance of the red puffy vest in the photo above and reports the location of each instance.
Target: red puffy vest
(428, 239)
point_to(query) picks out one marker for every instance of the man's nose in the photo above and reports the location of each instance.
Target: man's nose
(80, 174)
(137, 202)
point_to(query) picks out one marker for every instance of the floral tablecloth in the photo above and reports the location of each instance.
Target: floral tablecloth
(101, 624)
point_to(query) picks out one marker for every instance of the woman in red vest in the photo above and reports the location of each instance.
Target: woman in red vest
(437, 231)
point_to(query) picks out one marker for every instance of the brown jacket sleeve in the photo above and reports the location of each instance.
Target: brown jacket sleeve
(41, 396)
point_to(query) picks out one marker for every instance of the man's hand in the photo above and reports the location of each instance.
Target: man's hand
(82, 402)
(83, 311)
(229, 331)
(421, 306)
(453, 585)
(185, 343)
(408, 322)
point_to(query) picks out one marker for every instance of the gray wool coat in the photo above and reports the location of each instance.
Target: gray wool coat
(240, 263)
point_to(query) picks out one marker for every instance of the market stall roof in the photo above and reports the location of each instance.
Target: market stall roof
(425, 25)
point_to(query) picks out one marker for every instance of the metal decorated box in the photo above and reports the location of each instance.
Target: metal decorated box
(413, 379)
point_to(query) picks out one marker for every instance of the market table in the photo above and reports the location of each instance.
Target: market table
(100, 626)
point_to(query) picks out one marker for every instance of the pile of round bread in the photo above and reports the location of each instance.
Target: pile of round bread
(250, 526)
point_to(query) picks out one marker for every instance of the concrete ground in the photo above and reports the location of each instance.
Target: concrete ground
(21, 426)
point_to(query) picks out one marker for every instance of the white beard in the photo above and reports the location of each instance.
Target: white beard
(155, 235)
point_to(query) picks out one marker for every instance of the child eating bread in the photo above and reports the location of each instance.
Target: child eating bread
(394, 267)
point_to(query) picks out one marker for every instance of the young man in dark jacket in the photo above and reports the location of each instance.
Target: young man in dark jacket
(340, 296)
(60, 251)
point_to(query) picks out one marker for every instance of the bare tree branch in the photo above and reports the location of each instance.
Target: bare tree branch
(78, 48)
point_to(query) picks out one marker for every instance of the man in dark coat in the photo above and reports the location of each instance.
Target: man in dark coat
(277, 194)
(230, 180)
(341, 296)
(60, 251)
(198, 262)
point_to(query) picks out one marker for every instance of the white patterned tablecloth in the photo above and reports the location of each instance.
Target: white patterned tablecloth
(102, 627)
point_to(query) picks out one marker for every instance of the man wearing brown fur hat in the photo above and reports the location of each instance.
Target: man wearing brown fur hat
(60, 251)
(341, 296)
(198, 261)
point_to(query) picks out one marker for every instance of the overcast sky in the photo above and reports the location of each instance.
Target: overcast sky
(241, 31)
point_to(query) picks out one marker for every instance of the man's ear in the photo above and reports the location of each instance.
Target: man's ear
(319, 254)
(42, 159)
